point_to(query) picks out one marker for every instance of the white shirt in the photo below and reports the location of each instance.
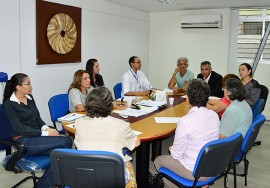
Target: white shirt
(134, 82)
(207, 79)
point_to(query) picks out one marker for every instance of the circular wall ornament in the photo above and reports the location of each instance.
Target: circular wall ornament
(62, 33)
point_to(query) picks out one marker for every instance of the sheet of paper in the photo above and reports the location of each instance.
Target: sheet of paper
(151, 103)
(167, 119)
(137, 132)
(126, 98)
(135, 112)
(70, 117)
(167, 90)
(211, 97)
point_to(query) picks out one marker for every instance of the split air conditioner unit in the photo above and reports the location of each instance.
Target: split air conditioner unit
(201, 21)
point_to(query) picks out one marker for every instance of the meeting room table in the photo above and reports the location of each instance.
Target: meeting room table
(152, 133)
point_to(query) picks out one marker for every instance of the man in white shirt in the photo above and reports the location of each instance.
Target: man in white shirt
(134, 82)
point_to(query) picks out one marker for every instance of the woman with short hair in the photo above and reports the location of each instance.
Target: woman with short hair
(100, 131)
(78, 91)
(193, 131)
(238, 115)
(219, 106)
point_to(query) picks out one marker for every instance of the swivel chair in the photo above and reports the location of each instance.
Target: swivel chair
(17, 161)
(78, 168)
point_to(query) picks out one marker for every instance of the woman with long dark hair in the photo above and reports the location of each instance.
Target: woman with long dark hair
(251, 86)
(92, 67)
(27, 126)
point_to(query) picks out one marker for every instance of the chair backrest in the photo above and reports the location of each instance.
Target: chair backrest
(252, 134)
(77, 168)
(58, 106)
(257, 108)
(263, 95)
(117, 90)
(221, 152)
(5, 128)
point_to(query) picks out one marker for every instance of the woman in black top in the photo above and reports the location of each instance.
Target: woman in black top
(92, 67)
(27, 126)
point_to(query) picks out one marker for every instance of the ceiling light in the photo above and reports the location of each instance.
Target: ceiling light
(164, 2)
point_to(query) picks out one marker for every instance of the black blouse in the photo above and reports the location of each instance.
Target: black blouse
(99, 81)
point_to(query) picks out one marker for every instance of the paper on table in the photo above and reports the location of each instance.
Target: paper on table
(151, 103)
(137, 132)
(70, 117)
(167, 119)
(167, 90)
(126, 98)
(211, 97)
(135, 112)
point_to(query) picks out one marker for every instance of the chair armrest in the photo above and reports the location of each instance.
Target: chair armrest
(20, 151)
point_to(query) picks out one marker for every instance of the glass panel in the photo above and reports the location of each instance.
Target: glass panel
(250, 28)
(250, 12)
(268, 11)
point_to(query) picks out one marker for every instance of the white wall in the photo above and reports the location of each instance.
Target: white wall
(110, 32)
(168, 42)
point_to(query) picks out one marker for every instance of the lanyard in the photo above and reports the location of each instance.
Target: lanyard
(134, 75)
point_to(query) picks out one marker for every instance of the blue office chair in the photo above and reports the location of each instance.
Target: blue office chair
(78, 168)
(117, 90)
(247, 144)
(58, 106)
(214, 160)
(257, 108)
(17, 161)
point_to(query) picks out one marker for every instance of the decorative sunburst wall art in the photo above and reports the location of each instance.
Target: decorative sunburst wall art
(58, 32)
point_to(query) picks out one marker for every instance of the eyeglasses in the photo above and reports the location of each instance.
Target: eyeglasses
(138, 62)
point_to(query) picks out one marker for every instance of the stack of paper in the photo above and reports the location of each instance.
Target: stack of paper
(70, 117)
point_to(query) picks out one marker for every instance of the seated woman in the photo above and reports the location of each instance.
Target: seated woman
(92, 67)
(27, 126)
(252, 86)
(238, 115)
(78, 91)
(100, 131)
(193, 131)
(219, 106)
(181, 76)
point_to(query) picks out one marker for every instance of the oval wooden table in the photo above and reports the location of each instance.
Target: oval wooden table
(152, 132)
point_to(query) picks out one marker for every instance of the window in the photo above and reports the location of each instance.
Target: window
(252, 26)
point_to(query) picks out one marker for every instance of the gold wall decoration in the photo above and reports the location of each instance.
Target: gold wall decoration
(62, 33)
(58, 29)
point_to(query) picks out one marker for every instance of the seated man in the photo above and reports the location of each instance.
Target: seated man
(213, 79)
(181, 75)
(238, 115)
(134, 82)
